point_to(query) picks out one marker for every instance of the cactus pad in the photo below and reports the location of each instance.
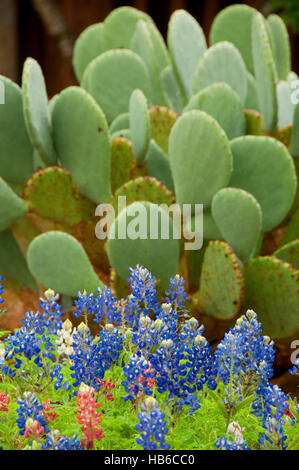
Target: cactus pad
(224, 105)
(265, 72)
(160, 256)
(233, 24)
(162, 121)
(52, 194)
(58, 261)
(89, 45)
(122, 162)
(12, 261)
(239, 218)
(222, 63)
(264, 168)
(80, 130)
(139, 126)
(289, 253)
(12, 207)
(271, 288)
(120, 71)
(144, 189)
(280, 45)
(187, 43)
(36, 112)
(16, 151)
(221, 282)
(200, 158)
(158, 165)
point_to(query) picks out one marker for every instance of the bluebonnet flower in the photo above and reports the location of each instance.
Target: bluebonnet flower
(270, 401)
(176, 294)
(152, 426)
(110, 345)
(143, 298)
(52, 312)
(274, 436)
(107, 307)
(224, 444)
(29, 408)
(244, 351)
(30, 340)
(56, 442)
(140, 377)
(86, 360)
(85, 305)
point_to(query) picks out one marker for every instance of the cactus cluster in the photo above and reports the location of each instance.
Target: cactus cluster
(160, 123)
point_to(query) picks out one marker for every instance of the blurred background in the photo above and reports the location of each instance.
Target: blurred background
(47, 29)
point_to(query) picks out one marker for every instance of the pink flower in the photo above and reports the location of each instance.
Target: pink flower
(4, 401)
(88, 416)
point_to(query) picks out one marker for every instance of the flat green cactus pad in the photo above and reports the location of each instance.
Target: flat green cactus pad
(158, 165)
(162, 121)
(172, 92)
(233, 24)
(89, 45)
(289, 253)
(82, 141)
(58, 261)
(122, 162)
(144, 189)
(12, 207)
(252, 101)
(186, 43)
(264, 168)
(155, 56)
(210, 230)
(292, 231)
(160, 256)
(36, 112)
(224, 105)
(221, 282)
(265, 72)
(16, 151)
(120, 122)
(280, 45)
(239, 218)
(271, 288)
(120, 72)
(120, 26)
(139, 126)
(222, 63)
(52, 194)
(200, 158)
(12, 261)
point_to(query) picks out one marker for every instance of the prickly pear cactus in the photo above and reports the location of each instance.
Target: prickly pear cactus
(158, 123)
